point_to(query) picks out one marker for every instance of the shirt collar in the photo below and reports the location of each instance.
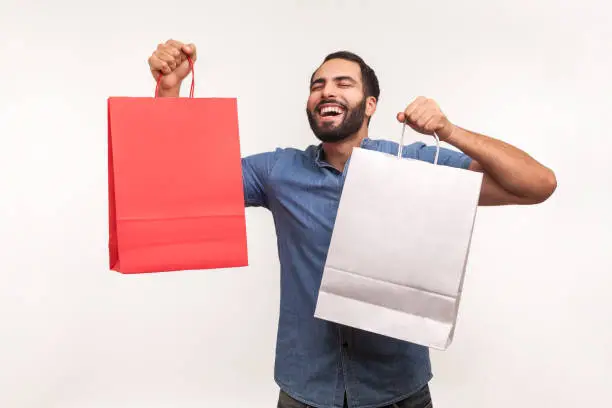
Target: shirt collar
(319, 153)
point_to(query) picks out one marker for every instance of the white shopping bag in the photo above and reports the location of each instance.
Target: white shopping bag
(399, 247)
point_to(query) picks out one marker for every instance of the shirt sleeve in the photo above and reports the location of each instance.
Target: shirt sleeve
(256, 171)
(447, 157)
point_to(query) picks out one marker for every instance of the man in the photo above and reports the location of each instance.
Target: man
(319, 363)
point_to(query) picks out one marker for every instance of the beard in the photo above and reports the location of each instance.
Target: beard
(332, 133)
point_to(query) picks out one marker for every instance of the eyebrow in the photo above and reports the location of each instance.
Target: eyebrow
(335, 79)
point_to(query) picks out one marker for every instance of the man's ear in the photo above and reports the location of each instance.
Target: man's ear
(370, 105)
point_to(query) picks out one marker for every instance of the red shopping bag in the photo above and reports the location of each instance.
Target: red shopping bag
(175, 184)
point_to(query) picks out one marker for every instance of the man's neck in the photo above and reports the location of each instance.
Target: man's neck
(337, 154)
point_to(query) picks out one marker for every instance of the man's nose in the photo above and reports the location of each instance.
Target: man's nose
(329, 91)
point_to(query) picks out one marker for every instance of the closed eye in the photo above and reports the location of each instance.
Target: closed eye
(345, 81)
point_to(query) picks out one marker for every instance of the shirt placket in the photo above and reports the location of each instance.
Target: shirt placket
(344, 333)
(346, 345)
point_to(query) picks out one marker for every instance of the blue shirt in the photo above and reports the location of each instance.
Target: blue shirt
(318, 361)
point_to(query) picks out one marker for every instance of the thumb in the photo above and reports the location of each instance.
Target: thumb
(401, 117)
(190, 50)
(183, 70)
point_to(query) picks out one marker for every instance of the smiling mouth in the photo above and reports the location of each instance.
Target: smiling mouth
(330, 111)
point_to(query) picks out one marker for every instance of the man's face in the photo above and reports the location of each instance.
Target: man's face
(336, 106)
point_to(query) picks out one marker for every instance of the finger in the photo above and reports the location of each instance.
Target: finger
(415, 109)
(431, 124)
(162, 60)
(402, 116)
(181, 50)
(158, 65)
(178, 45)
(411, 108)
(170, 59)
(414, 127)
(427, 115)
(190, 49)
(416, 114)
(170, 50)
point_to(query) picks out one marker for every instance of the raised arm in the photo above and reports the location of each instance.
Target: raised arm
(511, 176)
(170, 61)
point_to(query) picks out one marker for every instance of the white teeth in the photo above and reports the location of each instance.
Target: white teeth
(331, 109)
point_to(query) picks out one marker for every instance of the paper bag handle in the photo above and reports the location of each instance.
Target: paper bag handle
(401, 145)
(161, 75)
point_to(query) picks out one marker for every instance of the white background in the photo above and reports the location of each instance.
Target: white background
(535, 326)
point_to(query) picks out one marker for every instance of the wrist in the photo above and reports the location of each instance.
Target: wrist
(447, 133)
(173, 92)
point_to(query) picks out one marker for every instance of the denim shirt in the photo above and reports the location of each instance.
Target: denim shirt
(318, 361)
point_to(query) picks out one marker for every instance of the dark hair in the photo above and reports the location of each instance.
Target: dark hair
(368, 76)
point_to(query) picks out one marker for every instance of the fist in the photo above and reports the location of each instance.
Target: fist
(170, 61)
(424, 116)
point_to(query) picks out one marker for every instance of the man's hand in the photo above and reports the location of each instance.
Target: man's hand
(424, 116)
(170, 61)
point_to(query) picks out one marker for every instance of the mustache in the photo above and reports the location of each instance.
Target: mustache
(334, 101)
